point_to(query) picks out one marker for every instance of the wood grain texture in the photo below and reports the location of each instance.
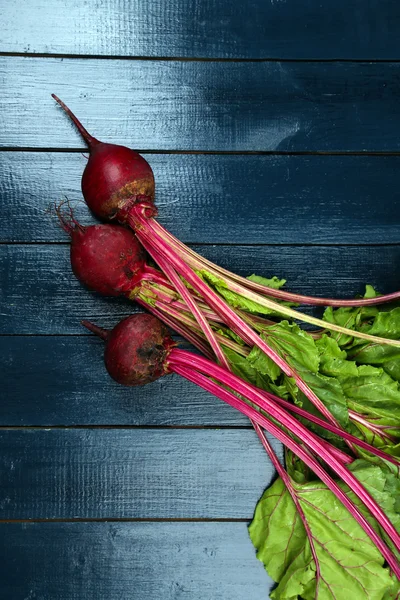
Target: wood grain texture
(39, 294)
(222, 198)
(130, 561)
(136, 473)
(65, 383)
(210, 28)
(239, 106)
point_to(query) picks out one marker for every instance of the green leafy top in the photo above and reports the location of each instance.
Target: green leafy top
(350, 565)
(241, 302)
(359, 383)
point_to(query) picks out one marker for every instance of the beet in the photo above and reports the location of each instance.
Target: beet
(113, 174)
(106, 258)
(136, 349)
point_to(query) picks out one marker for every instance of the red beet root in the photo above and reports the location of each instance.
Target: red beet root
(136, 349)
(105, 258)
(112, 175)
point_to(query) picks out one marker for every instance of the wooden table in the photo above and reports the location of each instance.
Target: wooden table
(273, 128)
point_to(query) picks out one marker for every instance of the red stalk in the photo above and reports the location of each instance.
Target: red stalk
(289, 486)
(329, 427)
(179, 327)
(231, 319)
(267, 291)
(254, 395)
(208, 384)
(197, 313)
(153, 227)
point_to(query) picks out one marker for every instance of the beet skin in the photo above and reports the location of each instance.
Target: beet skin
(106, 258)
(136, 350)
(114, 175)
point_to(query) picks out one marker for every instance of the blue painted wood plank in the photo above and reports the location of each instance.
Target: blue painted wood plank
(227, 199)
(64, 382)
(39, 294)
(210, 28)
(186, 105)
(130, 561)
(132, 473)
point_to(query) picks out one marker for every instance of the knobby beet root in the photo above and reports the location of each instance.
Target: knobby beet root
(113, 174)
(106, 258)
(136, 349)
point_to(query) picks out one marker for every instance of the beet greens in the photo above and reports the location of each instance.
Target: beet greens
(342, 380)
(138, 350)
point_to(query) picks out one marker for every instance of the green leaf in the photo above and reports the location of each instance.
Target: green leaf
(345, 317)
(237, 300)
(383, 486)
(329, 390)
(301, 352)
(242, 368)
(392, 368)
(332, 359)
(293, 344)
(290, 385)
(263, 364)
(374, 354)
(296, 468)
(373, 392)
(276, 530)
(350, 564)
(230, 334)
(386, 324)
(274, 282)
(350, 317)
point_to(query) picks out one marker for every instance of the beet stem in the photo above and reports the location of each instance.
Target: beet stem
(178, 326)
(103, 333)
(329, 427)
(187, 297)
(150, 239)
(186, 367)
(243, 290)
(290, 488)
(267, 291)
(89, 139)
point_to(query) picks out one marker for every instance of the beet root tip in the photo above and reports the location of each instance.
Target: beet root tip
(103, 333)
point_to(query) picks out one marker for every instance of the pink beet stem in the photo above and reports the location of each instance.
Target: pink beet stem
(282, 310)
(375, 429)
(257, 397)
(180, 328)
(89, 139)
(189, 300)
(267, 291)
(187, 371)
(190, 323)
(289, 486)
(149, 239)
(329, 427)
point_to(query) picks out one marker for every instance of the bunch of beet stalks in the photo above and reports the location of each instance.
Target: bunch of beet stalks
(189, 295)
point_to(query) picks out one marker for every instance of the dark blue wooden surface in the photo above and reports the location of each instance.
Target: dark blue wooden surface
(224, 199)
(121, 561)
(263, 166)
(200, 105)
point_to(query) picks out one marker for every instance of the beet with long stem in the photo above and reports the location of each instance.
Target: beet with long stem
(139, 350)
(114, 175)
(138, 211)
(109, 260)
